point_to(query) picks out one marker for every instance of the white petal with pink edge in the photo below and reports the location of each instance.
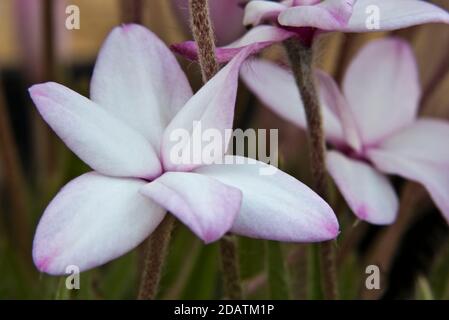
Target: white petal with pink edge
(327, 15)
(393, 15)
(257, 11)
(92, 220)
(138, 79)
(210, 109)
(419, 153)
(105, 143)
(382, 89)
(207, 206)
(275, 206)
(367, 192)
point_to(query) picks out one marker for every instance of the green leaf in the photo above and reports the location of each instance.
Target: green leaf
(315, 291)
(350, 277)
(184, 252)
(203, 283)
(424, 291)
(62, 293)
(277, 272)
(118, 279)
(251, 257)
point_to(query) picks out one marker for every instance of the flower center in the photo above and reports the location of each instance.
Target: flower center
(353, 154)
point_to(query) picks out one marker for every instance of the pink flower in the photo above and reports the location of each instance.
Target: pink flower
(139, 96)
(372, 125)
(306, 19)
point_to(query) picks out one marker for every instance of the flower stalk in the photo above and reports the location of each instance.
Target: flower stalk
(204, 37)
(230, 266)
(157, 250)
(301, 59)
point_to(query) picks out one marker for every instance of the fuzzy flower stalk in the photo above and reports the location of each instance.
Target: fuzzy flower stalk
(201, 26)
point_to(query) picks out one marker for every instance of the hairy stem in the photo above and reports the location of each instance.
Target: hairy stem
(230, 265)
(157, 249)
(204, 37)
(301, 58)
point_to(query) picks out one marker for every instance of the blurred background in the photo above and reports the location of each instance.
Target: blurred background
(35, 46)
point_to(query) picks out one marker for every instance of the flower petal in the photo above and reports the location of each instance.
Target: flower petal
(91, 221)
(262, 36)
(275, 86)
(138, 79)
(332, 99)
(419, 153)
(105, 143)
(207, 206)
(327, 15)
(258, 10)
(275, 206)
(367, 192)
(393, 15)
(210, 109)
(384, 95)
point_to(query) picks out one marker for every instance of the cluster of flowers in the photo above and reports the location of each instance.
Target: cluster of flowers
(139, 94)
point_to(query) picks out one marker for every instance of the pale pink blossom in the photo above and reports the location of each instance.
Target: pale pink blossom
(306, 19)
(372, 125)
(139, 94)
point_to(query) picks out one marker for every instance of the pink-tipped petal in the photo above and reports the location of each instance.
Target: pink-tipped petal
(393, 15)
(419, 153)
(207, 206)
(189, 50)
(262, 36)
(275, 206)
(327, 15)
(382, 89)
(332, 99)
(92, 220)
(138, 79)
(257, 11)
(209, 111)
(275, 86)
(367, 192)
(105, 143)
